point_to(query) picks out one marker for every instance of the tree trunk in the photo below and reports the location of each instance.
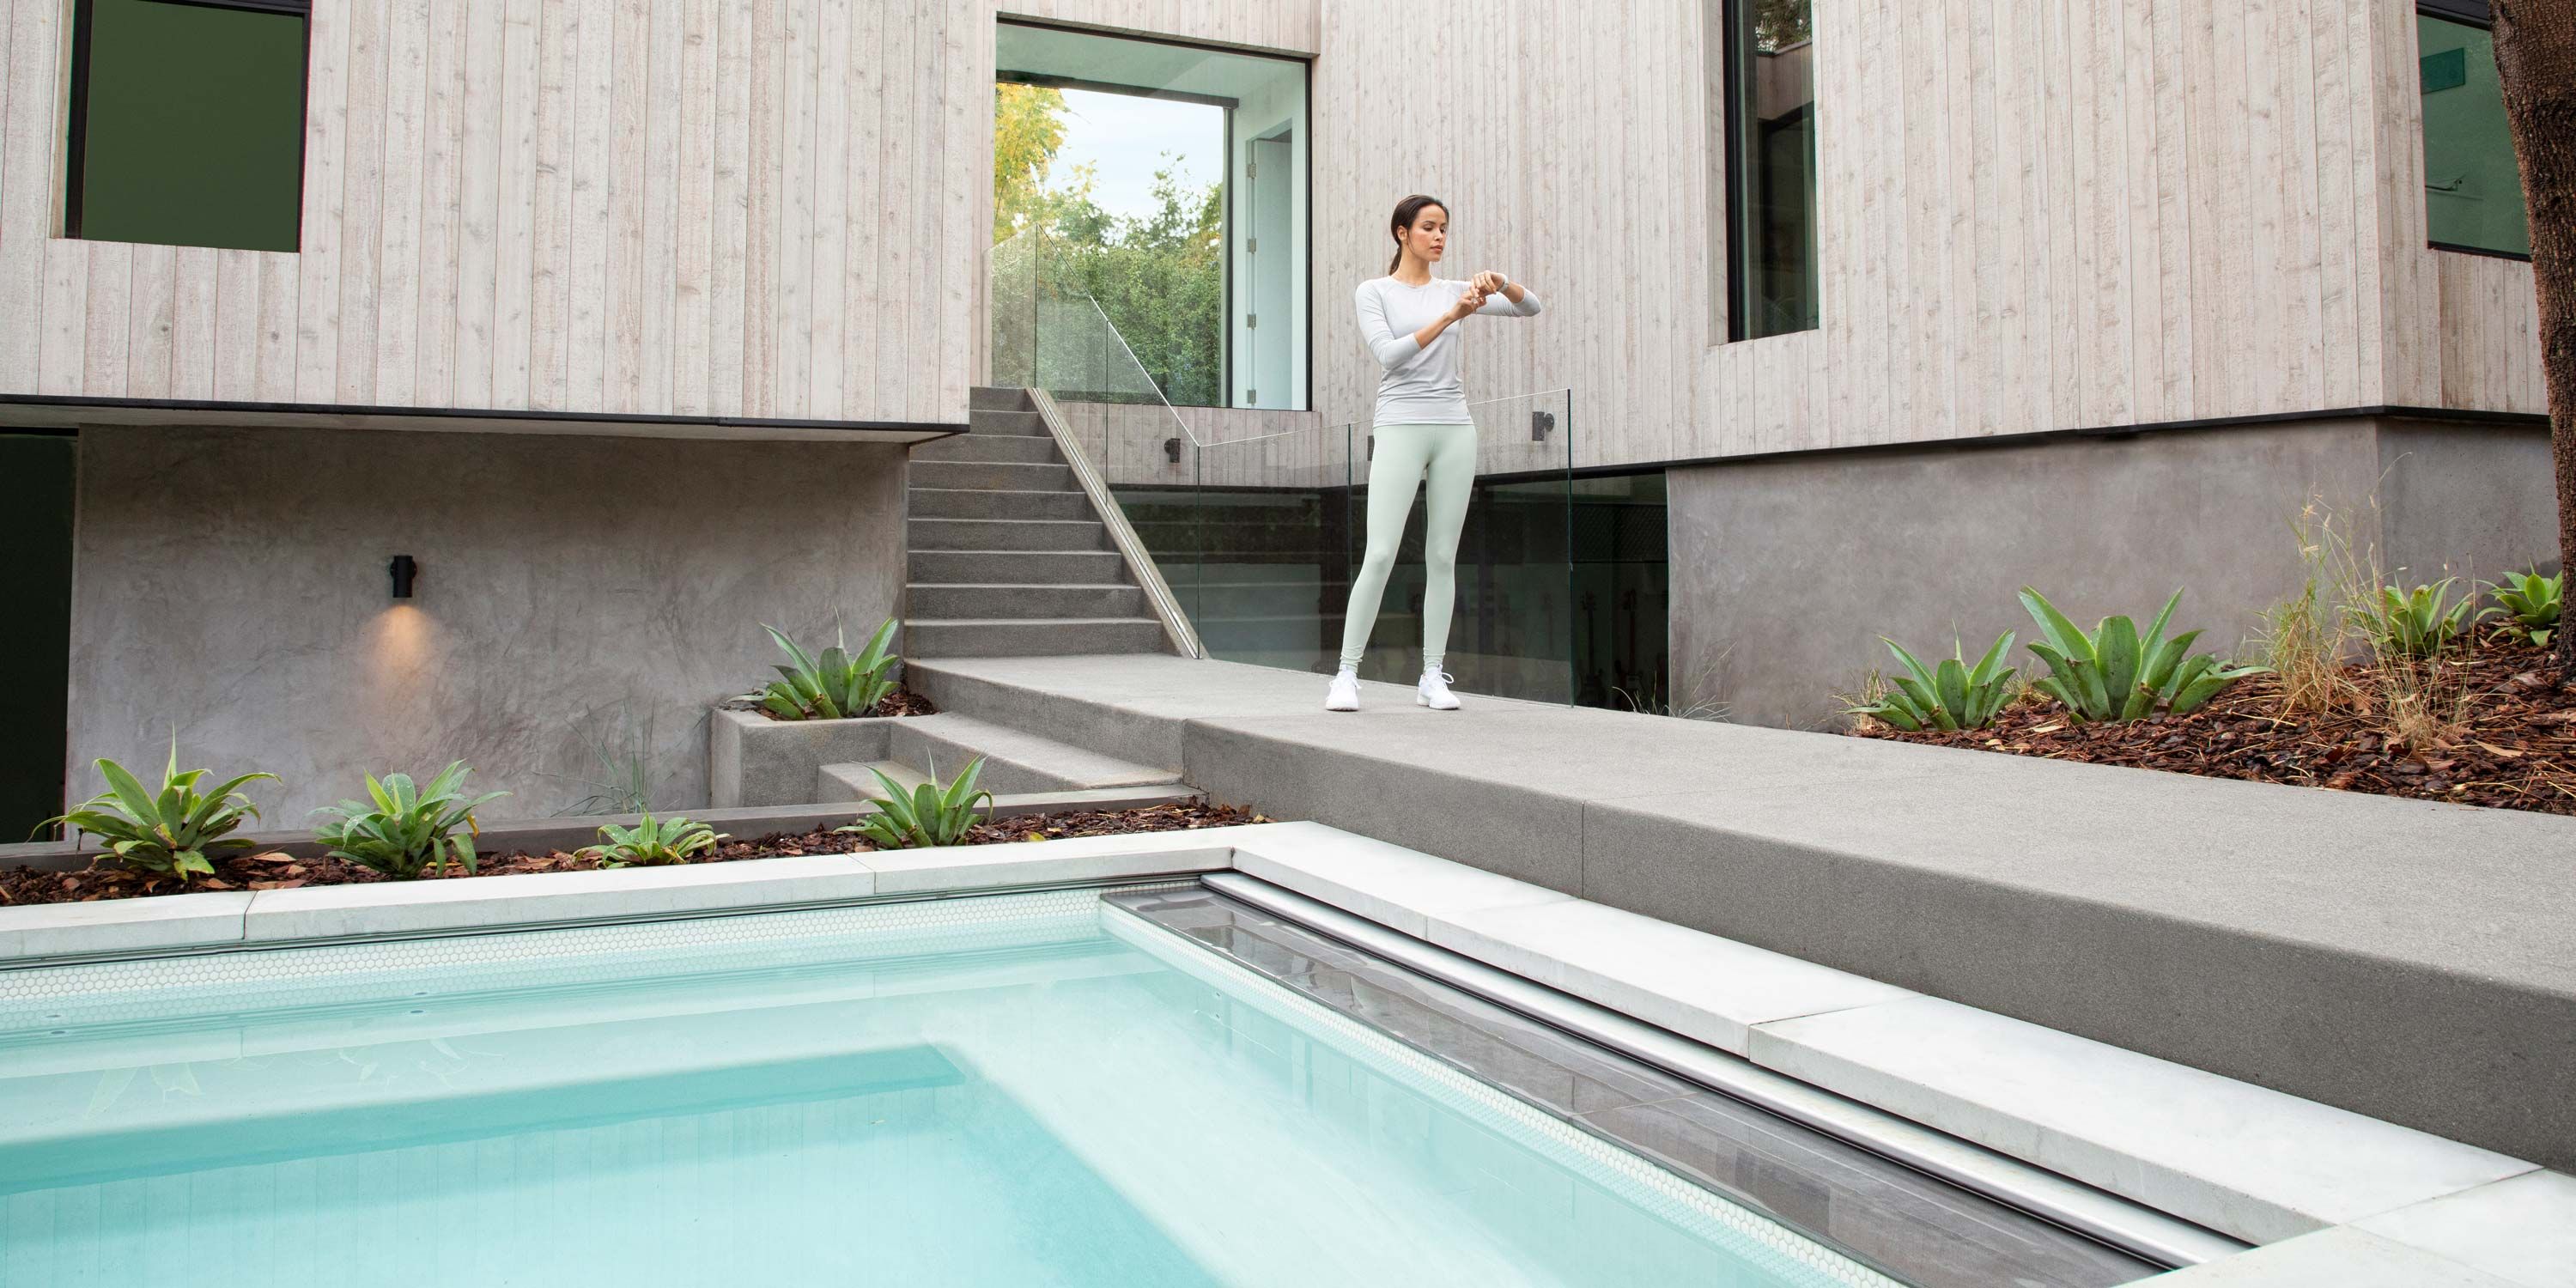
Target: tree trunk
(2535, 47)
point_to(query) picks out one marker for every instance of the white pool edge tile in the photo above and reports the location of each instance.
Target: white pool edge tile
(2521, 1229)
(159, 923)
(2259, 1164)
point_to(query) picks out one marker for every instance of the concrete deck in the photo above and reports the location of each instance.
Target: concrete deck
(2402, 959)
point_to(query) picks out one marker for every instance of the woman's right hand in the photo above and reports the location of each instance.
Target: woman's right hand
(1469, 301)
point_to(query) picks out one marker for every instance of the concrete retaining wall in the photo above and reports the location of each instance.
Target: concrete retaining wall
(576, 596)
(1786, 572)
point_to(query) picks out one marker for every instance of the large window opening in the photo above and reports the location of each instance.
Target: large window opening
(187, 122)
(2472, 188)
(1168, 184)
(1769, 115)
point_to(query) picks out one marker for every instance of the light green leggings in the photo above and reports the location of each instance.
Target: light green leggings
(1405, 453)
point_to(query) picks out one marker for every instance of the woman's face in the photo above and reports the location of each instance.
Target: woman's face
(1429, 235)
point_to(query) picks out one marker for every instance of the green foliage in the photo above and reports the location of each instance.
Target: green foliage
(1028, 130)
(2533, 603)
(409, 830)
(653, 842)
(837, 684)
(1952, 695)
(2116, 674)
(927, 815)
(2417, 623)
(169, 833)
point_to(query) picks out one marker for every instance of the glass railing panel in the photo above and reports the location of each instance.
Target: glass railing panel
(1283, 531)
(1512, 628)
(1275, 548)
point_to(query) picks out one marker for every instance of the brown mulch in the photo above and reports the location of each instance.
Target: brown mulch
(2515, 750)
(276, 871)
(901, 702)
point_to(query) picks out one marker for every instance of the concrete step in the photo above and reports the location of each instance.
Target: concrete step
(1007, 476)
(983, 397)
(982, 420)
(976, 503)
(991, 600)
(853, 782)
(1027, 449)
(1031, 636)
(1021, 567)
(1014, 761)
(1007, 534)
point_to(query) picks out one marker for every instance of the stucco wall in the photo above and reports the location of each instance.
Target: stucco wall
(573, 593)
(1786, 571)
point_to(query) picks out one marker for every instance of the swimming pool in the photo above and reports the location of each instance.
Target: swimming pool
(1014, 1089)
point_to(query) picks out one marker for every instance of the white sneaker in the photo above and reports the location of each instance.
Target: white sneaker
(1434, 692)
(1343, 694)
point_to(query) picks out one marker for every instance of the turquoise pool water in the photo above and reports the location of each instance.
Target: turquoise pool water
(1016, 1090)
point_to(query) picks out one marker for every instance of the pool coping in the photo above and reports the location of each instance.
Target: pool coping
(2259, 1165)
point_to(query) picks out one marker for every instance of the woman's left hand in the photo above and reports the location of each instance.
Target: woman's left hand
(1491, 283)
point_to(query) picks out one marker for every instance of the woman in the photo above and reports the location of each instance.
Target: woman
(1422, 427)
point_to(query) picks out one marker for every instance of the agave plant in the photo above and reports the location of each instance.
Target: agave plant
(653, 842)
(2533, 603)
(928, 814)
(839, 683)
(2116, 674)
(410, 830)
(1952, 695)
(174, 832)
(2420, 622)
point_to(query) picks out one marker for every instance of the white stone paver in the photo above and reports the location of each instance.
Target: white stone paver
(414, 907)
(1703, 987)
(2342, 1257)
(2252, 1162)
(1085, 858)
(123, 925)
(2521, 1230)
(1388, 884)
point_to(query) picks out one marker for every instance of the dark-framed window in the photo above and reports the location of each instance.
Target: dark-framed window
(187, 122)
(1769, 115)
(2472, 186)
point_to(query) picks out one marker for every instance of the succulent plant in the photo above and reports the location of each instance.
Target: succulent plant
(1951, 695)
(2418, 622)
(174, 832)
(2533, 603)
(2116, 674)
(410, 830)
(653, 842)
(928, 814)
(837, 684)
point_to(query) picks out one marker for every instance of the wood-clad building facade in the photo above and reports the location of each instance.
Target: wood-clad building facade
(2038, 223)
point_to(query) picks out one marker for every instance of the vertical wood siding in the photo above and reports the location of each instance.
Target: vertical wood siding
(2034, 215)
(619, 206)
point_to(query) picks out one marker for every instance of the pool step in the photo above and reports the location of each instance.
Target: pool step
(1014, 761)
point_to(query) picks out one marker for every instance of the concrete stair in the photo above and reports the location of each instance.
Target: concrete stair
(1007, 556)
(1014, 761)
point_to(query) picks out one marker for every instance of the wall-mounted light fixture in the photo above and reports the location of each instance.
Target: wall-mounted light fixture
(404, 569)
(1172, 450)
(1540, 423)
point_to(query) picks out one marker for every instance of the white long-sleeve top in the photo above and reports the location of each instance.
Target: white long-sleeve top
(1421, 385)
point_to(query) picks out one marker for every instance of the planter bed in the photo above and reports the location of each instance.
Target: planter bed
(281, 869)
(2514, 749)
(901, 702)
(755, 758)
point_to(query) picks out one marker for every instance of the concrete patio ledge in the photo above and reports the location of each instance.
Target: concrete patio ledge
(2406, 960)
